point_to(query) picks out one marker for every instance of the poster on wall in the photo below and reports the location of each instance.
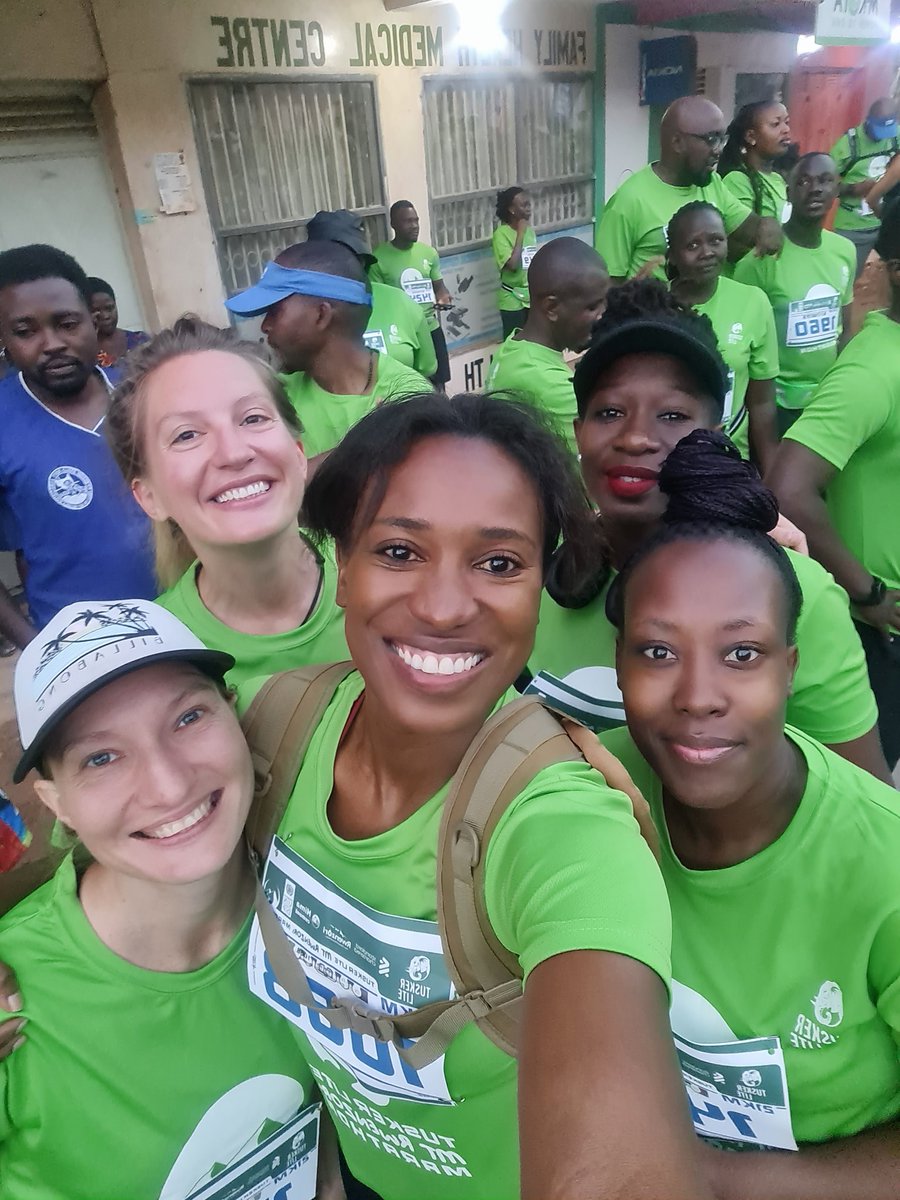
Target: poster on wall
(853, 22)
(472, 280)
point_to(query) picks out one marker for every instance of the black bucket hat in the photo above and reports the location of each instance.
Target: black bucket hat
(341, 225)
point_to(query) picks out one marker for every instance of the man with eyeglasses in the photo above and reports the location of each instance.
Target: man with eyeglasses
(631, 235)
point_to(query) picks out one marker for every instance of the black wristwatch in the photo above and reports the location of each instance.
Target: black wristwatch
(875, 596)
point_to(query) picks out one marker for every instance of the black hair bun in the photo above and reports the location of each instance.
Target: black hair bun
(707, 482)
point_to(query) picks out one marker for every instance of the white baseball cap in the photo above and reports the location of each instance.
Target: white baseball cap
(85, 647)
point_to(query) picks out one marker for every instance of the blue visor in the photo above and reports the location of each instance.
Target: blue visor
(279, 282)
(880, 131)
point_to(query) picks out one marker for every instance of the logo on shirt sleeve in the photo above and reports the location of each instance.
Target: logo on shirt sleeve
(70, 488)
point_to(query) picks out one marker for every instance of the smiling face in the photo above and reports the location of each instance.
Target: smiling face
(813, 187)
(49, 335)
(640, 409)
(153, 774)
(219, 459)
(705, 668)
(441, 591)
(698, 247)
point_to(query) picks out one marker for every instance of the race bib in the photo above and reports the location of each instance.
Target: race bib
(589, 696)
(738, 1092)
(786, 211)
(814, 321)
(374, 339)
(282, 1165)
(420, 290)
(386, 963)
(729, 398)
(528, 253)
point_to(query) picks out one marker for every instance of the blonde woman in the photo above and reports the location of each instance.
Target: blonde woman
(204, 434)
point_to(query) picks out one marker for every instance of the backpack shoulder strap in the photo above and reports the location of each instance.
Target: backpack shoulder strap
(853, 145)
(512, 747)
(278, 726)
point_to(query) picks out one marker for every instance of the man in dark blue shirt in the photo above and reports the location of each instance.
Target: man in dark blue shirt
(81, 534)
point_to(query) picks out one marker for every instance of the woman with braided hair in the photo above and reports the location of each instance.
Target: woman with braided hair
(786, 960)
(653, 374)
(757, 137)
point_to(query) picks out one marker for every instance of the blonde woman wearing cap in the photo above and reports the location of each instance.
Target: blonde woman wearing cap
(133, 968)
(204, 434)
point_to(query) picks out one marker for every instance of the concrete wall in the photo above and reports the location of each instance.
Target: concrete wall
(52, 40)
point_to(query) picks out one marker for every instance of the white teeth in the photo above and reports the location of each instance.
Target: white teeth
(431, 664)
(172, 827)
(243, 493)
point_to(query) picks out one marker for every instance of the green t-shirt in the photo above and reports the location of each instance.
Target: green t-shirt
(566, 869)
(800, 943)
(513, 295)
(541, 376)
(326, 417)
(414, 270)
(831, 701)
(853, 212)
(807, 290)
(633, 224)
(135, 1084)
(773, 193)
(745, 331)
(398, 327)
(320, 639)
(853, 422)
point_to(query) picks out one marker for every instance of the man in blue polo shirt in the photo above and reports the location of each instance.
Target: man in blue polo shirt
(81, 534)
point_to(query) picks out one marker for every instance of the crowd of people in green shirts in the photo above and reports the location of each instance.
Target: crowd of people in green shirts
(696, 890)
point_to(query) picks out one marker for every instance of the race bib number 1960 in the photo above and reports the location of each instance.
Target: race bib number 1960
(387, 963)
(813, 322)
(738, 1092)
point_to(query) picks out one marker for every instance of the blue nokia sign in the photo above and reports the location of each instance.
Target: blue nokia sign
(668, 66)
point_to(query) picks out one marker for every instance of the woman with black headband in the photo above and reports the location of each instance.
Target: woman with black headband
(653, 374)
(781, 860)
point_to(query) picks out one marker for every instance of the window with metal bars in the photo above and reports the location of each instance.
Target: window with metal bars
(482, 135)
(274, 154)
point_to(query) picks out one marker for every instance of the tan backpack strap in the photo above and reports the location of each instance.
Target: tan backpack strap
(515, 744)
(278, 726)
(436, 1024)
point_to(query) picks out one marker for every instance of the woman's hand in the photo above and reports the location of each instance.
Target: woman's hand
(11, 1036)
(606, 764)
(787, 534)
